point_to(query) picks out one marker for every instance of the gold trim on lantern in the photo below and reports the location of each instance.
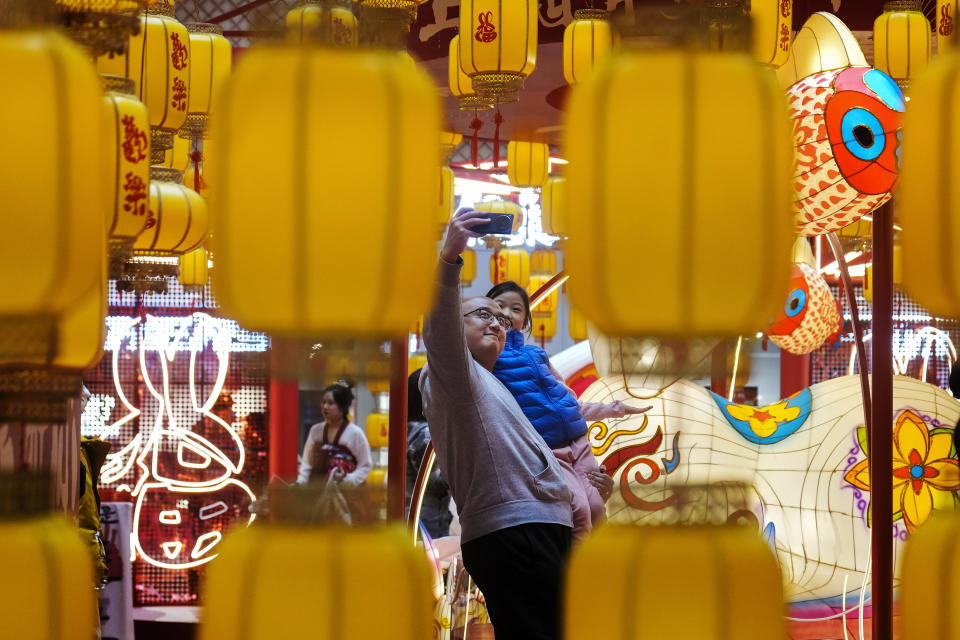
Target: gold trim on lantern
(166, 174)
(161, 9)
(204, 27)
(117, 84)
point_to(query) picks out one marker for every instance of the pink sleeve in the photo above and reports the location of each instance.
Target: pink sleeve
(601, 410)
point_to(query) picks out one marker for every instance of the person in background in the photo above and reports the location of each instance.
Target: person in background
(954, 383)
(435, 510)
(336, 449)
(554, 410)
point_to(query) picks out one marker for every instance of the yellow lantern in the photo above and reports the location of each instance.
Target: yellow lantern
(194, 269)
(577, 325)
(177, 222)
(468, 272)
(316, 22)
(551, 206)
(772, 21)
(126, 165)
(53, 205)
(543, 262)
(716, 173)
(47, 589)
(416, 361)
(901, 40)
(859, 229)
(461, 87)
(211, 57)
(178, 157)
(824, 43)
(446, 200)
(745, 603)
(510, 264)
(158, 62)
(543, 326)
(279, 581)
(378, 429)
(499, 205)
(551, 302)
(378, 375)
(377, 479)
(931, 572)
(449, 141)
(586, 40)
(383, 113)
(946, 25)
(499, 44)
(929, 190)
(897, 273)
(528, 163)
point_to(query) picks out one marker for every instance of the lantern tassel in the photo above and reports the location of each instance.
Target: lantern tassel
(543, 336)
(475, 124)
(497, 120)
(196, 157)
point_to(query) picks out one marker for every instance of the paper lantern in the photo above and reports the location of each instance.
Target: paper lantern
(332, 24)
(543, 326)
(468, 272)
(377, 373)
(946, 25)
(158, 62)
(809, 315)
(51, 185)
(510, 264)
(500, 205)
(499, 44)
(715, 173)
(416, 361)
(446, 200)
(461, 87)
(194, 269)
(528, 163)
(449, 141)
(897, 273)
(823, 43)
(931, 572)
(845, 125)
(772, 24)
(125, 145)
(385, 119)
(551, 302)
(586, 40)
(177, 221)
(543, 262)
(378, 429)
(377, 478)
(551, 206)
(577, 325)
(210, 60)
(901, 40)
(48, 589)
(280, 581)
(728, 571)
(930, 190)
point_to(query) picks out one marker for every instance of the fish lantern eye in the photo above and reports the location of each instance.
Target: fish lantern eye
(796, 302)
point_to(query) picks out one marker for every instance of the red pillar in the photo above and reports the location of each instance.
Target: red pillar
(284, 407)
(397, 435)
(718, 369)
(794, 373)
(881, 436)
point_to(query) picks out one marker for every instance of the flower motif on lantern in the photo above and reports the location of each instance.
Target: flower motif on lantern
(846, 127)
(809, 316)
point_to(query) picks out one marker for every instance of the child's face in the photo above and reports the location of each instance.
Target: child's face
(512, 306)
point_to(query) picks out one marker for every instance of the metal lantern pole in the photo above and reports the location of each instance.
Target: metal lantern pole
(397, 430)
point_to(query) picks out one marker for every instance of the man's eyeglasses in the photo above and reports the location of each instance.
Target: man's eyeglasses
(487, 317)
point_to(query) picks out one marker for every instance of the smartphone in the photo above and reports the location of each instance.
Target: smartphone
(500, 224)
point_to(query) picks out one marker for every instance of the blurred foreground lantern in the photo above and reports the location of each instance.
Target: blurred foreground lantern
(528, 163)
(211, 57)
(100, 26)
(823, 43)
(715, 174)
(551, 206)
(510, 264)
(577, 325)
(446, 200)
(901, 40)
(946, 25)
(416, 361)
(158, 62)
(277, 581)
(461, 87)
(449, 141)
(323, 22)
(846, 126)
(931, 573)
(772, 24)
(378, 429)
(194, 270)
(498, 45)
(468, 272)
(543, 262)
(809, 315)
(270, 277)
(177, 222)
(54, 240)
(586, 40)
(745, 603)
(897, 273)
(930, 190)
(499, 205)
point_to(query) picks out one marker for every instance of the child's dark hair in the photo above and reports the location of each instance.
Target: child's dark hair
(342, 396)
(510, 285)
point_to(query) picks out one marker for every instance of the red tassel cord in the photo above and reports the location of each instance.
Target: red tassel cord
(196, 157)
(475, 124)
(497, 120)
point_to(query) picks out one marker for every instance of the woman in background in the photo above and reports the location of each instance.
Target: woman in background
(336, 449)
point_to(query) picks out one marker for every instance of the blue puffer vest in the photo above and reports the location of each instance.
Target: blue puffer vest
(525, 370)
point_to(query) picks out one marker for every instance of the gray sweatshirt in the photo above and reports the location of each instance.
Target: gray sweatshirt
(501, 472)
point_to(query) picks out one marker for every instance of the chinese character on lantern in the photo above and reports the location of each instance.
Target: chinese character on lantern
(135, 141)
(179, 101)
(486, 31)
(784, 37)
(785, 8)
(135, 195)
(178, 55)
(946, 21)
(341, 33)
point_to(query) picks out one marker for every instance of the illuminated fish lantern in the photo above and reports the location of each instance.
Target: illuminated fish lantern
(846, 127)
(810, 315)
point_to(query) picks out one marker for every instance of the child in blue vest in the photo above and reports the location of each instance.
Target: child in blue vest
(554, 411)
